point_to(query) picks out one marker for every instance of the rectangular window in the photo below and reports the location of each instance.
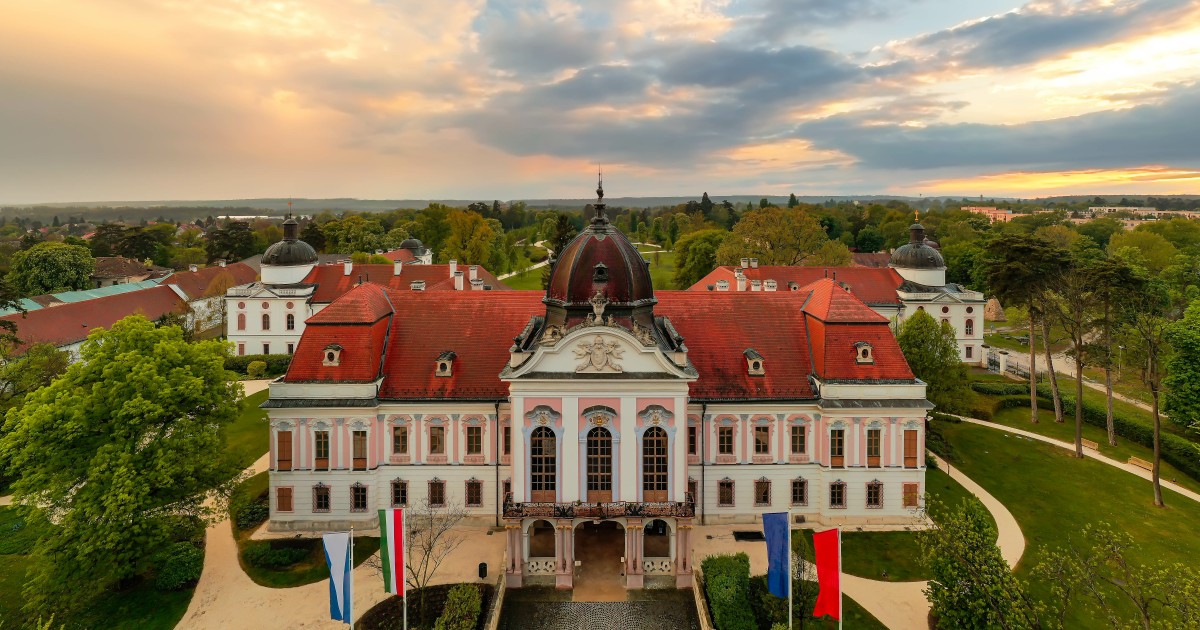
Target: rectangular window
(358, 498)
(437, 440)
(283, 450)
(912, 496)
(762, 440)
(725, 440)
(474, 440)
(837, 448)
(283, 499)
(693, 490)
(360, 449)
(400, 440)
(241, 349)
(874, 441)
(799, 439)
(291, 348)
(875, 494)
(266, 348)
(725, 493)
(762, 492)
(437, 493)
(837, 494)
(799, 492)
(399, 493)
(506, 487)
(910, 448)
(508, 440)
(320, 498)
(474, 493)
(692, 446)
(321, 450)
(968, 349)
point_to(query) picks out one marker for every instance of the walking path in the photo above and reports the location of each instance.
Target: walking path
(1129, 468)
(531, 267)
(1064, 365)
(898, 605)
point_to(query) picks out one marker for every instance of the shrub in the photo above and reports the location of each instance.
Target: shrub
(727, 588)
(267, 555)
(944, 417)
(253, 514)
(256, 369)
(179, 566)
(1000, 389)
(277, 364)
(462, 609)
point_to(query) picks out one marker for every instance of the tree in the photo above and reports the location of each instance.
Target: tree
(696, 256)
(139, 244)
(830, 254)
(235, 241)
(1073, 303)
(30, 371)
(1147, 318)
(431, 539)
(353, 234)
(107, 238)
(1100, 230)
(971, 586)
(1015, 268)
(1157, 251)
(774, 236)
(1113, 279)
(115, 451)
(1182, 399)
(471, 238)
(792, 201)
(313, 235)
(50, 268)
(869, 240)
(561, 233)
(932, 353)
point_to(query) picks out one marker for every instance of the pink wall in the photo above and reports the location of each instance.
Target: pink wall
(532, 403)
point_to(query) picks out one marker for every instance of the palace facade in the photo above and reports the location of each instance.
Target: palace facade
(598, 408)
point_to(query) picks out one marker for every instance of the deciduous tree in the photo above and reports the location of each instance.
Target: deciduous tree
(696, 256)
(932, 352)
(1182, 399)
(50, 268)
(774, 236)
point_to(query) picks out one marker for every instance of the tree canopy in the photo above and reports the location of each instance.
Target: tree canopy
(932, 353)
(51, 268)
(1182, 385)
(775, 236)
(696, 256)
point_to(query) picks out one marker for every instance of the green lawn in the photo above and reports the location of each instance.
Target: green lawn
(529, 281)
(662, 273)
(247, 438)
(1052, 495)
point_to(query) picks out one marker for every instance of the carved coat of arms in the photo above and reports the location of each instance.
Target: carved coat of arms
(599, 356)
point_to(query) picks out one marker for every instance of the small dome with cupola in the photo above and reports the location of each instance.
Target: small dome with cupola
(289, 260)
(918, 260)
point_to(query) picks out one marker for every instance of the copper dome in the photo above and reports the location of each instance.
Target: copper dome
(600, 259)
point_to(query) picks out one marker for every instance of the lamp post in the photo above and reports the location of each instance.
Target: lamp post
(1120, 357)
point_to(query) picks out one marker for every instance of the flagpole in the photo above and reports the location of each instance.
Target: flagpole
(841, 612)
(402, 553)
(791, 576)
(350, 622)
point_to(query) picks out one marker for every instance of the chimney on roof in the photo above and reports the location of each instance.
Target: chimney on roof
(826, 273)
(754, 263)
(397, 267)
(756, 285)
(379, 252)
(193, 268)
(835, 275)
(770, 285)
(221, 262)
(360, 278)
(474, 269)
(477, 285)
(722, 285)
(745, 263)
(741, 281)
(453, 266)
(347, 266)
(458, 281)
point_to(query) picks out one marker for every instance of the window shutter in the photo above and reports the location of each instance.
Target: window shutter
(283, 450)
(283, 499)
(910, 448)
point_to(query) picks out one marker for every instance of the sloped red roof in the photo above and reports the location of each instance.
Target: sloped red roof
(332, 281)
(873, 286)
(875, 260)
(212, 281)
(114, 267)
(837, 352)
(402, 255)
(72, 321)
(364, 304)
(830, 302)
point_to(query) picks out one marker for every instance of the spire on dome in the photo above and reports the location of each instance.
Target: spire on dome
(599, 205)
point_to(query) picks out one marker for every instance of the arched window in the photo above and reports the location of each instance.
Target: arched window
(291, 322)
(266, 322)
(970, 327)
(542, 465)
(656, 539)
(654, 465)
(599, 465)
(241, 321)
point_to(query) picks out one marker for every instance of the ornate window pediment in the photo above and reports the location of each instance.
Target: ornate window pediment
(543, 415)
(655, 415)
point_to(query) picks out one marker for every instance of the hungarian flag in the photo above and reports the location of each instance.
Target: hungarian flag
(828, 548)
(391, 550)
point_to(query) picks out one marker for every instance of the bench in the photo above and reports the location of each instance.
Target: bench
(1141, 463)
(1090, 444)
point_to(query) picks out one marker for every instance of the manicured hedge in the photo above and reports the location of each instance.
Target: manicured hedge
(387, 614)
(1000, 389)
(277, 364)
(462, 609)
(727, 588)
(277, 554)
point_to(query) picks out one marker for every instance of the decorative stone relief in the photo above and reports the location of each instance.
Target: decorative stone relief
(658, 566)
(599, 356)
(540, 567)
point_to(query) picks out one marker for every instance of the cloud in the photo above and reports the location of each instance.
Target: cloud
(774, 20)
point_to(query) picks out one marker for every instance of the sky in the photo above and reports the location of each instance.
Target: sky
(386, 99)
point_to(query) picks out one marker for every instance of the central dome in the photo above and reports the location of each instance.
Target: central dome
(291, 251)
(600, 259)
(917, 253)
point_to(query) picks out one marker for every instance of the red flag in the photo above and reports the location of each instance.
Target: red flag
(828, 548)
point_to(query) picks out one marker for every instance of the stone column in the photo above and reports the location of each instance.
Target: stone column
(512, 569)
(633, 553)
(565, 575)
(683, 555)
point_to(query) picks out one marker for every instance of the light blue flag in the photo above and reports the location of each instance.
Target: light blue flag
(341, 585)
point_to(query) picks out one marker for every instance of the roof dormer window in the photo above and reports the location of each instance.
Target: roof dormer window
(333, 355)
(445, 363)
(863, 353)
(754, 362)
(600, 273)
(417, 285)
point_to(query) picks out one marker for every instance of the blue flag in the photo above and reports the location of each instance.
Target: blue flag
(779, 556)
(341, 585)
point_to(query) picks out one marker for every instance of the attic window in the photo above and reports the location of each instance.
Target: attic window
(417, 285)
(333, 355)
(793, 286)
(600, 273)
(754, 362)
(863, 353)
(444, 363)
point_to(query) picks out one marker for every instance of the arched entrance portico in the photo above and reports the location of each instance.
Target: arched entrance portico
(599, 549)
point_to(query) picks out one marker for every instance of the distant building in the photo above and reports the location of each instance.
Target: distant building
(205, 289)
(993, 213)
(110, 270)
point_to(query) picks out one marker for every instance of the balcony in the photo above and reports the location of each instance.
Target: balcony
(636, 509)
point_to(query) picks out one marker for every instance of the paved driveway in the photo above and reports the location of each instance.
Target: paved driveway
(542, 608)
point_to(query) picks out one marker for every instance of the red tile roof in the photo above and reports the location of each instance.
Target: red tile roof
(876, 260)
(403, 255)
(71, 322)
(794, 340)
(115, 267)
(212, 281)
(332, 281)
(873, 286)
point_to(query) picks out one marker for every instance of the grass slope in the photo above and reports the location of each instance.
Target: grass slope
(247, 438)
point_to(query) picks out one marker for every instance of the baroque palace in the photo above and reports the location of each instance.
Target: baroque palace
(599, 410)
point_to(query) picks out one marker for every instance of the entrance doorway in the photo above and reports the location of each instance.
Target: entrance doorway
(599, 548)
